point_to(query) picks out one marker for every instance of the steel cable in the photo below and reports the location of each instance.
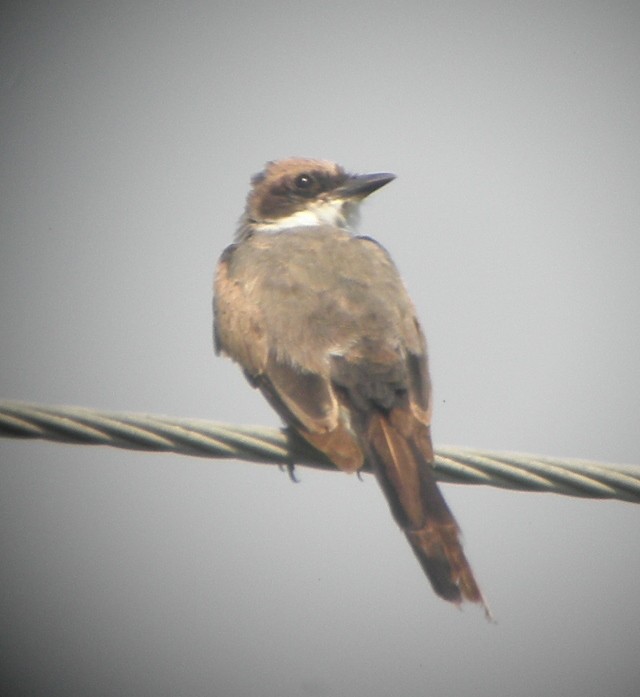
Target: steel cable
(202, 438)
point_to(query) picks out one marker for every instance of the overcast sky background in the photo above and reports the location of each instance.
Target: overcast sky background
(129, 132)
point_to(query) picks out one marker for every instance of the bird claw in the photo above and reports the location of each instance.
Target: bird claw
(290, 466)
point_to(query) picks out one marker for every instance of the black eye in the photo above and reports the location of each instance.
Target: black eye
(303, 182)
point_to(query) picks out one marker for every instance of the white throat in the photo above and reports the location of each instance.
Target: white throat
(337, 212)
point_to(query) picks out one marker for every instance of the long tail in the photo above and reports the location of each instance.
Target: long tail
(402, 458)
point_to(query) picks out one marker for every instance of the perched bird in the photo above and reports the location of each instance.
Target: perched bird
(321, 323)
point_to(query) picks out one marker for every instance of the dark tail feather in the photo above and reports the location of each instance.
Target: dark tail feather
(403, 467)
(439, 550)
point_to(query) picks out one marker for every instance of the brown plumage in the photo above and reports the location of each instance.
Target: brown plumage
(321, 323)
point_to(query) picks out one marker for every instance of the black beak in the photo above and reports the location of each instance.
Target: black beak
(361, 185)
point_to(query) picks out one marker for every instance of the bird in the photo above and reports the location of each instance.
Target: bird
(321, 323)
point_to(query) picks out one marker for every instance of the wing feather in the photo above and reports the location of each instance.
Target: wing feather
(304, 399)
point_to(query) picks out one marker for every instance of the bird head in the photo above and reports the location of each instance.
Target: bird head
(300, 192)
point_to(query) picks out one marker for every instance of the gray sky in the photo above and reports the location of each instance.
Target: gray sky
(129, 133)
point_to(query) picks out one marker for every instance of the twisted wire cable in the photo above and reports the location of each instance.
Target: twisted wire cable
(202, 438)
